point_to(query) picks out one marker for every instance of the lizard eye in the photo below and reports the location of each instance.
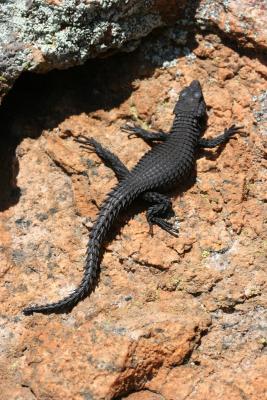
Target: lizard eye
(197, 95)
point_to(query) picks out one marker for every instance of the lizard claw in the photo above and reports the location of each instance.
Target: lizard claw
(166, 226)
(229, 132)
(81, 139)
(151, 231)
(86, 143)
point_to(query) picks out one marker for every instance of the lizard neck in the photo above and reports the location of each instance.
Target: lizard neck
(183, 121)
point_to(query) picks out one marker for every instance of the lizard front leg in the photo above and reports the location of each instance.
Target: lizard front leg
(223, 138)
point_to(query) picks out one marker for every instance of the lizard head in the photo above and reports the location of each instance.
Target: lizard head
(191, 101)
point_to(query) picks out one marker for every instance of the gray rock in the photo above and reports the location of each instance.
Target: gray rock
(41, 35)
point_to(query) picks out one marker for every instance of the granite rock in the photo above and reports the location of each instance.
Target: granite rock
(170, 318)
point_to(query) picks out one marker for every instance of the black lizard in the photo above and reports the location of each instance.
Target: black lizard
(157, 172)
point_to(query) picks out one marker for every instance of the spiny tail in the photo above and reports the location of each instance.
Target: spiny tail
(116, 201)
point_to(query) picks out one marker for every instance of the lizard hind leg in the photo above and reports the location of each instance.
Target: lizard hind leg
(158, 212)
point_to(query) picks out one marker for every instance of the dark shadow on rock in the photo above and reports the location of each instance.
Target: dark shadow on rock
(41, 102)
(9, 167)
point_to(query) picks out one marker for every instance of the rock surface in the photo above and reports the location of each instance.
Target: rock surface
(170, 318)
(41, 35)
(241, 20)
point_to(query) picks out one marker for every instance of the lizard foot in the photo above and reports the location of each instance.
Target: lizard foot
(88, 144)
(229, 132)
